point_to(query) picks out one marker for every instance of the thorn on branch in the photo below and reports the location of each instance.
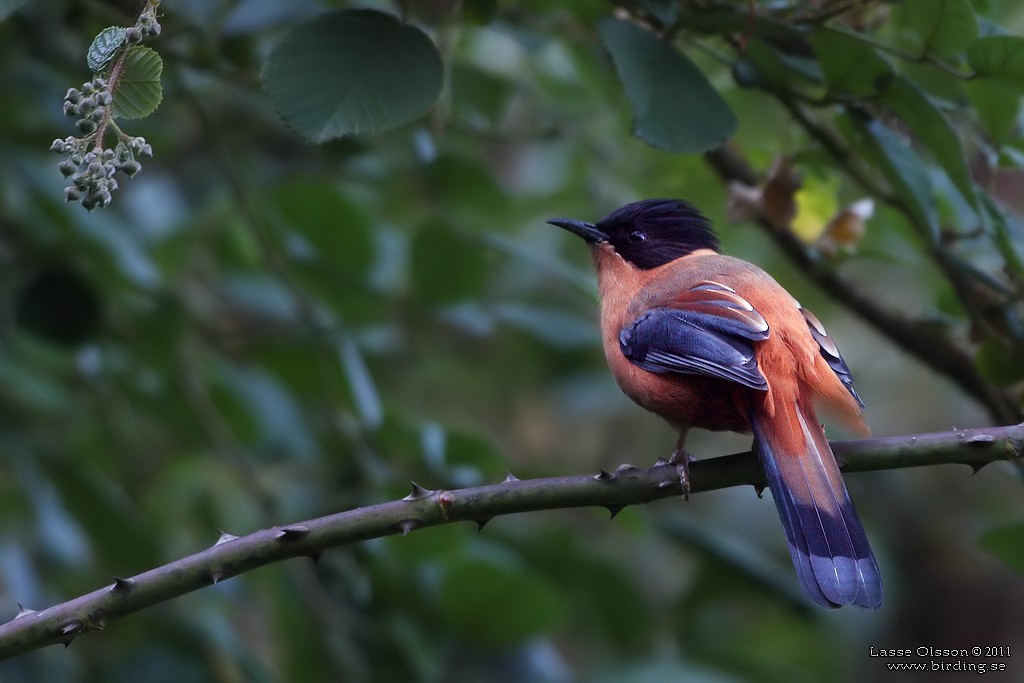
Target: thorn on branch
(418, 492)
(122, 585)
(407, 525)
(481, 523)
(614, 510)
(224, 538)
(71, 629)
(604, 476)
(217, 575)
(23, 611)
(509, 478)
(292, 533)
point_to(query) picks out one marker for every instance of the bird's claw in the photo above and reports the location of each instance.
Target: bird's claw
(682, 459)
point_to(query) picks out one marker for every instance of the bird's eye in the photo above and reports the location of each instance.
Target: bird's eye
(637, 236)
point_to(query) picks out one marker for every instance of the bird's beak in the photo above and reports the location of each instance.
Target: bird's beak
(588, 231)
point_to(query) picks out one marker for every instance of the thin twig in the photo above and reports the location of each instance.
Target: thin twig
(627, 485)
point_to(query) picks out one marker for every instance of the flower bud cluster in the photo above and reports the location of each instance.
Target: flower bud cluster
(88, 165)
(90, 172)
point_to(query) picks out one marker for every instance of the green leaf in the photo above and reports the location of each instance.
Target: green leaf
(776, 68)
(902, 167)
(492, 604)
(352, 71)
(945, 27)
(998, 61)
(1007, 543)
(933, 130)
(998, 57)
(104, 46)
(445, 266)
(850, 65)
(996, 103)
(138, 90)
(361, 384)
(998, 363)
(674, 105)
(339, 230)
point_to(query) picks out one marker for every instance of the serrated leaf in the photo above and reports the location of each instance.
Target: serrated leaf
(104, 46)
(945, 27)
(933, 130)
(675, 108)
(138, 90)
(850, 65)
(352, 71)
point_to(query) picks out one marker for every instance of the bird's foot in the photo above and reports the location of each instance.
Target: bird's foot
(682, 459)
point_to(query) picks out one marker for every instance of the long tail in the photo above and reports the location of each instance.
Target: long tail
(830, 550)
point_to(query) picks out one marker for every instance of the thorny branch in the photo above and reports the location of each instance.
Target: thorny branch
(627, 485)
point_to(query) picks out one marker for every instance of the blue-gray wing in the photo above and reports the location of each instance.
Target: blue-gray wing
(830, 352)
(706, 330)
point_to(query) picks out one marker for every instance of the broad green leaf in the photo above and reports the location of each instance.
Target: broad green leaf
(339, 230)
(104, 46)
(674, 105)
(998, 61)
(945, 27)
(933, 130)
(996, 103)
(1007, 543)
(999, 57)
(902, 167)
(445, 266)
(138, 90)
(494, 604)
(352, 71)
(850, 65)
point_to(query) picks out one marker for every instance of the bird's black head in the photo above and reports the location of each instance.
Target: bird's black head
(648, 233)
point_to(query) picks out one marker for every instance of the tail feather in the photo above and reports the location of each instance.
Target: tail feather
(830, 550)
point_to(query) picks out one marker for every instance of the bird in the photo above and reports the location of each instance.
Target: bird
(710, 341)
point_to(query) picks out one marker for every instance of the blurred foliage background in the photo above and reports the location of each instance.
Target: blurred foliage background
(260, 329)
